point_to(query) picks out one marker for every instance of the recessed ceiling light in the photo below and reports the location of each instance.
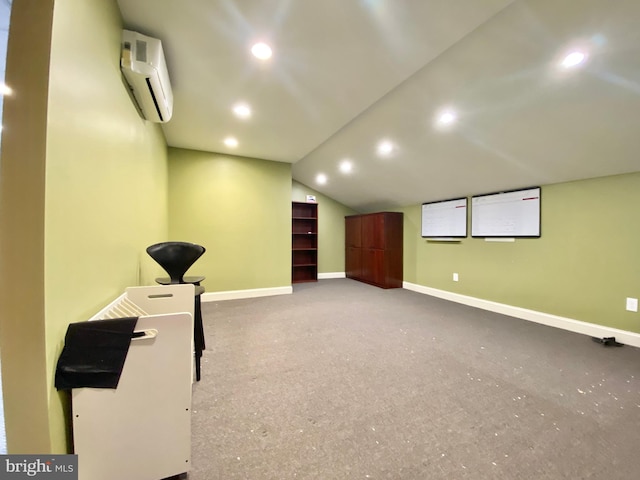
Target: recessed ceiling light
(242, 110)
(321, 178)
(385, 148)
(574, 59)
(231, 142)
(5, 89)
(262, 51)
(447, 117)
(346, 166)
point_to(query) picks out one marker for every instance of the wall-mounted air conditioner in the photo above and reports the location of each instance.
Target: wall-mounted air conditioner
(143, 65)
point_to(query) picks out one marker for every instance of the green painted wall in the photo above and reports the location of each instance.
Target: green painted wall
(239, 209)
(584, 265)
(411, 239)
(106, 183)
(330, 228)
(104, 198)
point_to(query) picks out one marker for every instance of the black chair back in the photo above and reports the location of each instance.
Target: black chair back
(176, 257)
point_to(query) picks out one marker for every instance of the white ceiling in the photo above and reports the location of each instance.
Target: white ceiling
(346, 74)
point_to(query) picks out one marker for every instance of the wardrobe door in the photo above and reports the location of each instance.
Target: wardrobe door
(353, 246)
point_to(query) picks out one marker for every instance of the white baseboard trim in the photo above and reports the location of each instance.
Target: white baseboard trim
(249, 293)
(577, 326)
(324, 276)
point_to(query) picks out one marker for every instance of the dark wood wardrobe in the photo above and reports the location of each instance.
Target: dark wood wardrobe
(373, 245)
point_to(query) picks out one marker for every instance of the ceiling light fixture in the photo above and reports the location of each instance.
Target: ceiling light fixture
(262, 51)
(385, 148)
(242, 110)
(346, 166)
(321, 178)
(231, 142)
(5, 89)
(574, 59)
(447, 117)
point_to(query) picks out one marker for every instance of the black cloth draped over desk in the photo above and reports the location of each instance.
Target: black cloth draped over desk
(94, 353)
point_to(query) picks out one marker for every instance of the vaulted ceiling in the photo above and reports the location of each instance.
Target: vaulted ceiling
(346, 75)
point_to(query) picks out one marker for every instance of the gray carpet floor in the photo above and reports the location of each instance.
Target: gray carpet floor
(342, 380)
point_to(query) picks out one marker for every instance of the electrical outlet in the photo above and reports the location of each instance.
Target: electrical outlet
(455, 277)
(632, 304)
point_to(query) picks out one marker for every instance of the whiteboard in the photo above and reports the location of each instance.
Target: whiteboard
(447, 218)
(506, 214)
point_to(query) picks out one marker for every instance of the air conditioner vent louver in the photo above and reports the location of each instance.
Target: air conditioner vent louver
(155, 101)
(143, 65)
(141, 51)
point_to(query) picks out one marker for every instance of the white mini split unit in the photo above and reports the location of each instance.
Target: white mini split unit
(143, 65)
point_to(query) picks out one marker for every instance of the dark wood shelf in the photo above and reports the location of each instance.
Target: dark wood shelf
(304, 242)
(306, 280)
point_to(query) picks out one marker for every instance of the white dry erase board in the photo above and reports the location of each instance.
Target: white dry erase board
(447, 218)
(507, 214)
